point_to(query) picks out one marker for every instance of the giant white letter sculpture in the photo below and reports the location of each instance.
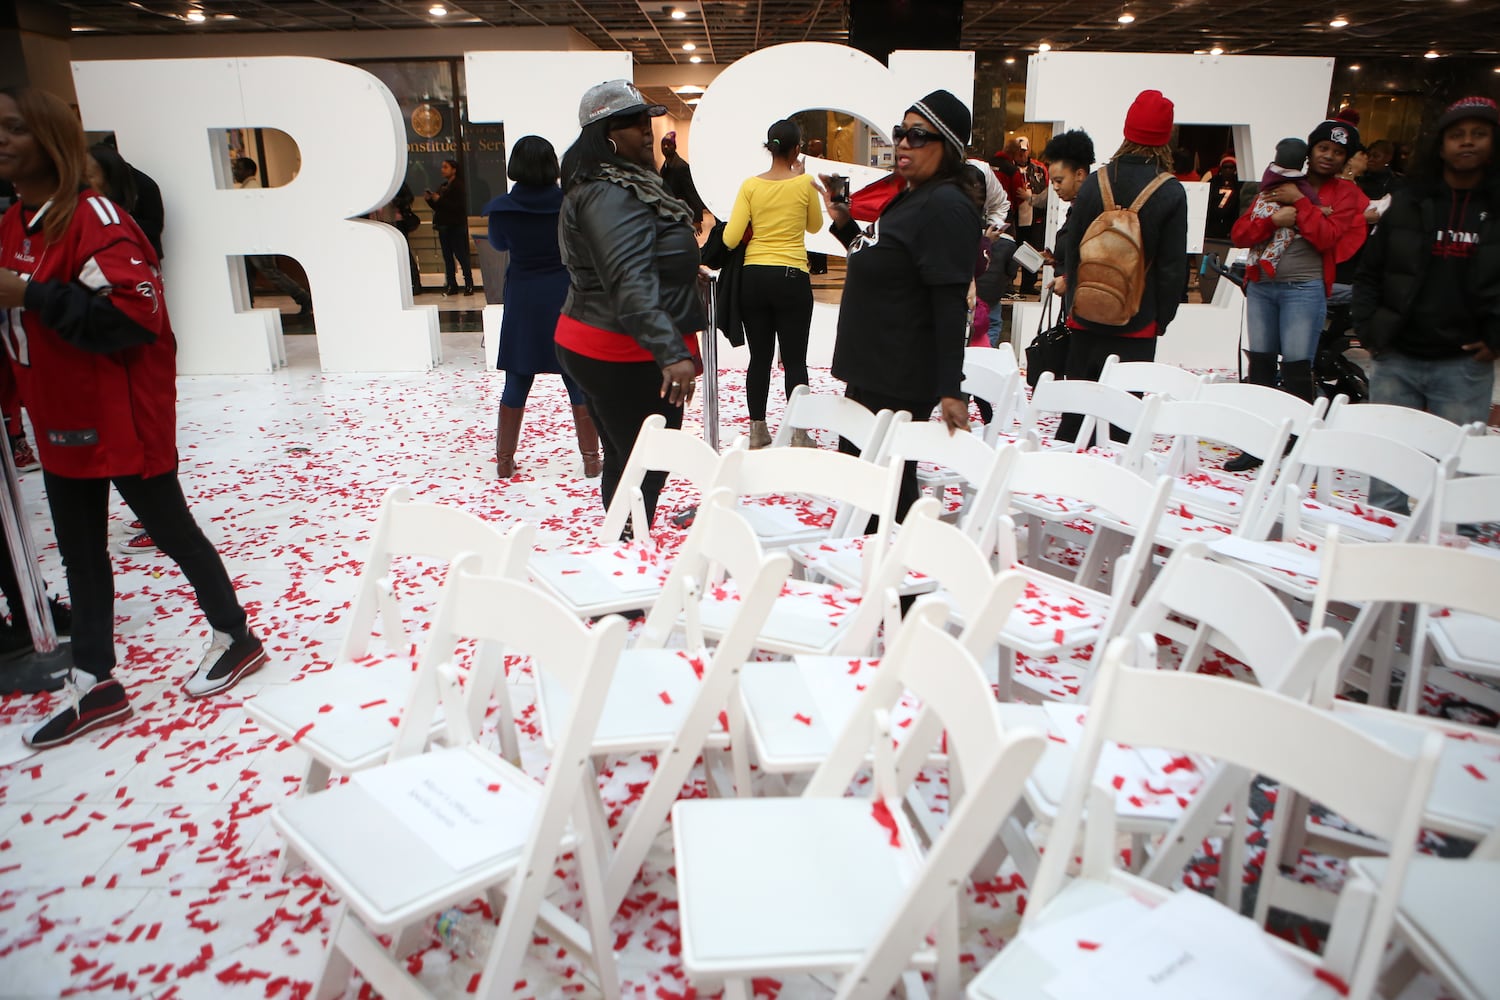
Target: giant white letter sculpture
(729, 126)
(349, 131)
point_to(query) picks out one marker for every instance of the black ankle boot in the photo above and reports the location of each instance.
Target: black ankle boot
(1262, 371)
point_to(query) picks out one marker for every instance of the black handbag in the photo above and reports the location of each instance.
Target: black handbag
(730, 265)
(1048, 351)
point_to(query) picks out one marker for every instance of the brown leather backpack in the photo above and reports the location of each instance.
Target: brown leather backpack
(1112, 259)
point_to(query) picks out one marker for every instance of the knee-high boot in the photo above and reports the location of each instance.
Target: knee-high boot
(1297, 379)
(507, 433)
(588, 442)
(1262, 372)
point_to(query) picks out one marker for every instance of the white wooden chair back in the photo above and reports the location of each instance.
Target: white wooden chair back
(1101, 407)
(1378, 788)
(970, 458)
(994, 377)
(1266, 402)
(810, 411)
(934, 667)
(1464, 500)
(1321, 453)
(436, 531)
(657, 449)
(1479, 455)
(1151, 378)
(1428, 433)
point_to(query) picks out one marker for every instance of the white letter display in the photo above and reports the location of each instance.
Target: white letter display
(729, 126)
(349, 131)
(537, 93)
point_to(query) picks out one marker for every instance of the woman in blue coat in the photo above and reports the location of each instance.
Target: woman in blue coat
(524, 222)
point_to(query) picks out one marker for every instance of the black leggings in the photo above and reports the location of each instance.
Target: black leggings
(622, 394)
(80, 515)
(775, 303)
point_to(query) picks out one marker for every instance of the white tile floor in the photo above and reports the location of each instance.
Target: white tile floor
(140, 861)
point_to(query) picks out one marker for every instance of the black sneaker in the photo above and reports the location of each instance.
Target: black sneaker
(92, 703)
(226, 662)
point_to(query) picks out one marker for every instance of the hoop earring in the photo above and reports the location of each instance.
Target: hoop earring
(612, 147)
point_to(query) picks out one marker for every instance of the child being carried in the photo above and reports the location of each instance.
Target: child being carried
(1288, 168)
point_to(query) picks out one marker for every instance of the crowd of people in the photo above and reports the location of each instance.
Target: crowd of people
(603, 289)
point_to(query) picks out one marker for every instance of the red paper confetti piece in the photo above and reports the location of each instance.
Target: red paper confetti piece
(882, 814)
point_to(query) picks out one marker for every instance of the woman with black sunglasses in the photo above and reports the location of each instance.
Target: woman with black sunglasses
(904, 315)
(628, 332)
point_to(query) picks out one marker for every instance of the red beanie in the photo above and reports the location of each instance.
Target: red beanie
(1348, 114)
(1149, 120)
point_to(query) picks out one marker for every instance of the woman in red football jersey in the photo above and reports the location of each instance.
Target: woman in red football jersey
(87, 334)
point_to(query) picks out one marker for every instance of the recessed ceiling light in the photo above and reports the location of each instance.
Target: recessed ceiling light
(1354, 67)
(226, 17)
(1010, 60)
(438, 10)
(693, 101)
(1044, 47)
(689, 47)
(678, 14)
(695, 59)
(1216, 51)
(197, 16)
(1339, 22)
(1126, 18)
(688, 88)
(1432, 54)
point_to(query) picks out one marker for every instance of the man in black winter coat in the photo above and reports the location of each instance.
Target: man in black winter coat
(1427, 296)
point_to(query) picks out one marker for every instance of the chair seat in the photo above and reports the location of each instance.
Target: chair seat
(1466, 641)
(1079, 925)
(412, 863)
(1053, 616)
(1215, 494)
(796, 708)
(1181, 525)
(841, 560)
(780, 521)
(1453, 906)
(811, 880)
(345, 717)
(1286, 566)
(649, 695)
(1465, 798)
(1356, 520)
(806, 618)
(605, 580)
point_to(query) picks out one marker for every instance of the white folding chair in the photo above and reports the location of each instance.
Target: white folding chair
(340, 718)
(1465, 500)
(1446, 919)
(1102, 407)
(1204, 606)
(1269, 403)
(795, 708)
(610, 575)
(459, 822)
(1127, 915)
(674, 702)
(1151, 378)
(1209, 502)
(838, 416)
(1059, 616)
(964, 457)
(1311, 495)
(1479, 455)
(1428, 433)
(993, 376)
(829, 883)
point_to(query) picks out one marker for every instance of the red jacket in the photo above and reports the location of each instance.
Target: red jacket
(1337, 236)
(92, 348)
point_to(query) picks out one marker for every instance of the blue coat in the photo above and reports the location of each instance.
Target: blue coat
(524, 222)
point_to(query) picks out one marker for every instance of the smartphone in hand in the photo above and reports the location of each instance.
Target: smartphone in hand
(838, 189)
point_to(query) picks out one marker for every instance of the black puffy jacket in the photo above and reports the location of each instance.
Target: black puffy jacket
(631, 270)
(1395, 264)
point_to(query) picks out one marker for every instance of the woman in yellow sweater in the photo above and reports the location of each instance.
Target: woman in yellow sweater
(776, 302)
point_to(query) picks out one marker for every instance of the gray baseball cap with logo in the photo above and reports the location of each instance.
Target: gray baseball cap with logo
(614, 97)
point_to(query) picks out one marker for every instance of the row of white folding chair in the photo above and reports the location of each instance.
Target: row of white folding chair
(993, 376)
(1260, 732)
(836, 415)
(1152, 378)
(1479, 455)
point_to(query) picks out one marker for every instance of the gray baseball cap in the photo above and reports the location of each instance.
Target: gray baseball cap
(614, 97)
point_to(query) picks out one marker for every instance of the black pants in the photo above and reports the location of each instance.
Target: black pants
(454, 241)
(921, 412)
(1087, 353)
(776, 304)
(621, 396)
(80, 515)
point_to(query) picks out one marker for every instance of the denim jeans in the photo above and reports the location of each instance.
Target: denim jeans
(1456, 389)
(1286, 318)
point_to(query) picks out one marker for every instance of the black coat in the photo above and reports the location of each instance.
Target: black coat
(1395, 261)
(632, 270)
(1163, 235)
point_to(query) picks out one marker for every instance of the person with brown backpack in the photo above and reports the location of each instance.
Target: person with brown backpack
(1125, 245)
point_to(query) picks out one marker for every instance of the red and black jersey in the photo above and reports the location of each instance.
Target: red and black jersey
(92, 347)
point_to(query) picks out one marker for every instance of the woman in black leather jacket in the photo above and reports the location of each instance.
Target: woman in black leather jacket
(628, 333)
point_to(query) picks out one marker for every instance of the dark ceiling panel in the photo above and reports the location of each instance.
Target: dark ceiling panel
(726, 30)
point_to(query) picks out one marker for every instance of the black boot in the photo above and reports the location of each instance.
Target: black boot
(1297, 379)
(1262, 372)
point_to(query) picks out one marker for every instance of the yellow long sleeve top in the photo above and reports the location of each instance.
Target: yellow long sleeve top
(780, 211)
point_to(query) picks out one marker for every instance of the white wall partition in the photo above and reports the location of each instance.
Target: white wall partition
(349, 131)
(537, 93)
(729, 126)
